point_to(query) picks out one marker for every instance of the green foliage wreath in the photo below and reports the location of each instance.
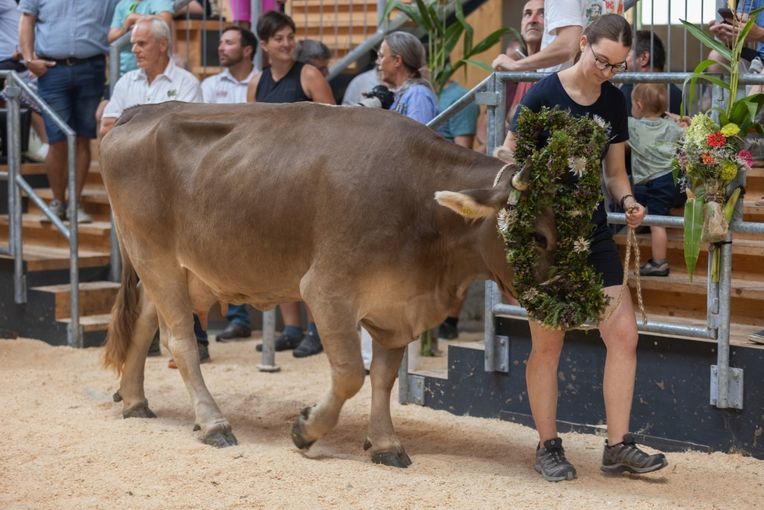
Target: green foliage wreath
(565, 177)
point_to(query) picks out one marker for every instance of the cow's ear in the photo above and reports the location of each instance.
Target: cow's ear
(473, 203)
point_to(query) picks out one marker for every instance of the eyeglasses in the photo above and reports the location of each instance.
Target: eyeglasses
(602, 63)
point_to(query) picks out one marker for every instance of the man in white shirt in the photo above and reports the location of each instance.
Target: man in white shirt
(564, 22)
(157, 78)
(236, 50)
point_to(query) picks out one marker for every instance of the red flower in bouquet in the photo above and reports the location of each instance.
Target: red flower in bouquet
(707, 158)
(716, 140)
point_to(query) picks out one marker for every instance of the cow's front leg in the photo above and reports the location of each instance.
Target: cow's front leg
(131, 391)
(343, 349)
(382, 441)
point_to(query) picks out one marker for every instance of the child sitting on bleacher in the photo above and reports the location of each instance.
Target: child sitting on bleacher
(652, 139)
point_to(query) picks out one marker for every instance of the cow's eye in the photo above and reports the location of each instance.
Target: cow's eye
(540, 240)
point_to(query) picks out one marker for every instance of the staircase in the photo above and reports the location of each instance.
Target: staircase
(46, 260)
(667, 298)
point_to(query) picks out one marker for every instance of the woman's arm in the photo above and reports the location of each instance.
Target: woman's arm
(617, 183)
(315, 85)
(252, 88)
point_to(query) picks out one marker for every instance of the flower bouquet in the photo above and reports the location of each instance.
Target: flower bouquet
(711, 154)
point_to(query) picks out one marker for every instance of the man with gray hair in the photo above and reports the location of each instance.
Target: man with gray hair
(157, 78)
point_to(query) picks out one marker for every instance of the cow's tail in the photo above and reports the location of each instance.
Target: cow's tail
(124, 314)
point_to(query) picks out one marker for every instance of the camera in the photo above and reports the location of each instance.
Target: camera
(379, 97)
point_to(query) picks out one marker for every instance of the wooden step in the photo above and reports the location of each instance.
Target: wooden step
(98, 322)
(747, 254)
(95, 298)
(676, 296)
(94, 200)
(91, 236)
(754, 182)
(48, 258)
(28, 168)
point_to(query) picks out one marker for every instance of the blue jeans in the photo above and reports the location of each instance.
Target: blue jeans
(73, 92)
(238, 314)
(201, 335)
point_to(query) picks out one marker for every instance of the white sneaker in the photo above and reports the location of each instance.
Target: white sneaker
(82, 216)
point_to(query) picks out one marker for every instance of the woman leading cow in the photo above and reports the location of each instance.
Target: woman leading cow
(584, 89)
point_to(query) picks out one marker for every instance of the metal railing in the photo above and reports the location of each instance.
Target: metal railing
(726, 382)
(16, 184)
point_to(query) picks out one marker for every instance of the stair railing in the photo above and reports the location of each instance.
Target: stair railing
(16, 184)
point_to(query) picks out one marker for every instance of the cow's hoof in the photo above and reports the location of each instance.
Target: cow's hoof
(398, 458)
(117, 397)
(139, 411)
(220, 436)
(298, 431)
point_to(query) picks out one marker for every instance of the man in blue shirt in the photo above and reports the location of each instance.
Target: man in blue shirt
(64, 43)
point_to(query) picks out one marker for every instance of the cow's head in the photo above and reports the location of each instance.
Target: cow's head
(485, 204)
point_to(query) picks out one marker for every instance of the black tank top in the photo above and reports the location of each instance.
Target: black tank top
(287, 90)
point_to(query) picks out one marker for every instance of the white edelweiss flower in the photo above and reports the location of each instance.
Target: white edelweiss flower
(577, 166)
(581, 245)
(575, 213)
(505, 219)
(502, 221)
(530, 294)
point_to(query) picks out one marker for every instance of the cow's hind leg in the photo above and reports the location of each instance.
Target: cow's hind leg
(131, 392)
(175, 313)
(335, 321)
(382, 440)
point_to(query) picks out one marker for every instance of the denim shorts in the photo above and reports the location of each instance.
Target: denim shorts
(73, 92)
(657, 195)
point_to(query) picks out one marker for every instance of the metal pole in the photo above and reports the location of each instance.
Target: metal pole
(268, 363)
(74, 334)
(13, 124)
(255, 10)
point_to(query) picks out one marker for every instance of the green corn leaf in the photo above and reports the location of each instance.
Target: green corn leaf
(729, 207)
(707, 40)
(693, 228)
(468, 30)
(429, 17)
(488, 42)
(481, 65)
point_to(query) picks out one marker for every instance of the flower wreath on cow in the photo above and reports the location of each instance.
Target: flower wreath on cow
(565, 176)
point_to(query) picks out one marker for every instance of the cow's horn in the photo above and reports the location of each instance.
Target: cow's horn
(521, 180)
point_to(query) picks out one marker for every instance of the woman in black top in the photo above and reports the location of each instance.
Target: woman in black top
(288, 81)
(285, 80)
(584, 89)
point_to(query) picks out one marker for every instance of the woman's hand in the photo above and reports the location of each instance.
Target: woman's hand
(635, 212)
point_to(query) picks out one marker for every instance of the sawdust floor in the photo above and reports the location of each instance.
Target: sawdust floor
(64, 445)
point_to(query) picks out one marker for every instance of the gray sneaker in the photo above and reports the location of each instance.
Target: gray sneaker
(58, 208)
(551, 462)
(626, 457)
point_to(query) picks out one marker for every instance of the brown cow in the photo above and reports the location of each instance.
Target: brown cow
(331, 205)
